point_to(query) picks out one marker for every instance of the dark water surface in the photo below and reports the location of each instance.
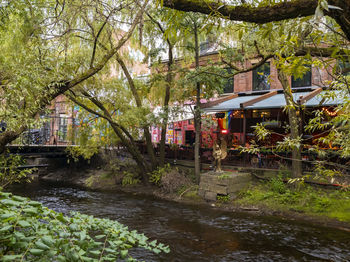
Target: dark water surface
(199, 233)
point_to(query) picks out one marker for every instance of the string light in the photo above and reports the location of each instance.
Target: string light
(235, 113)
(328, 112)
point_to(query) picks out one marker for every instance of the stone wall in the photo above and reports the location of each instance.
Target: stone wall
(228, 183)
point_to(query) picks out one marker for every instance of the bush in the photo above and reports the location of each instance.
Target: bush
(322, 204)
(223, 198)
(130, 179)
(9, 172)
(277, 185)
(32, 232)
(174, 181)
(156, 175)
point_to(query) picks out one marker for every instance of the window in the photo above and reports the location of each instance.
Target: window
(229, 82)
(204, 47)
(261, 114)
(305, 80)
(261, 77)
(343, 67)
(62, 128)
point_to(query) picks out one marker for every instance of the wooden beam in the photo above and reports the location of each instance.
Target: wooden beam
(218, 101)
(303, 99)
(258, 99)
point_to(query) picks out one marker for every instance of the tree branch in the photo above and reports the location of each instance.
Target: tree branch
(246, 13)
(96, 38)
(269, 13)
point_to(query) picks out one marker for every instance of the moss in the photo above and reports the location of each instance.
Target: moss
(192, 194)
(89, 182)
(308, 200)
(100, 180)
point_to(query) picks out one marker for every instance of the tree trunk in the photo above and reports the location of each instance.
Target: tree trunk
(9, 136)
(133, 150)
(294, 123)
(197, 114)
(169, 80)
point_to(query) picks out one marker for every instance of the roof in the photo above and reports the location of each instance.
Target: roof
(276, 100)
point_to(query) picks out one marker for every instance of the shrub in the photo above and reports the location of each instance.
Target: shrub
(156, 175)
(31, 232)
(277, 185)
(130, 179)
(322, 204)
(174, 180)
(9, 172)
(223, 198)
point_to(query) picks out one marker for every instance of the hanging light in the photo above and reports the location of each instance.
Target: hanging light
(328, 112)
(224, 131)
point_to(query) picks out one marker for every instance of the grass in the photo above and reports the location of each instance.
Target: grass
(276, 195)
(189, 192)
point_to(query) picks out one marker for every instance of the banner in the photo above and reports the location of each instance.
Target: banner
(224, 123)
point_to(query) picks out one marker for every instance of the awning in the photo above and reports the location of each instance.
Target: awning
(275, 100)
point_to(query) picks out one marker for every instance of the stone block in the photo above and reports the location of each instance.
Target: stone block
(211, 196)
(240, 178)
(204, 186)
(212, 184)
(201, 192)
(218, 189)
(223, 181)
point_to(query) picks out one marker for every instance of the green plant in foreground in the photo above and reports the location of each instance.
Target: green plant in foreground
(156, 175)
(9, 171)
(31, 232)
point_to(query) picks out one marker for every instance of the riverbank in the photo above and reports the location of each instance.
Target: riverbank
(320, 207)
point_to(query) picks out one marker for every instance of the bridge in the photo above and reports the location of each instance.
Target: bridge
(41, 157)
(42, 150)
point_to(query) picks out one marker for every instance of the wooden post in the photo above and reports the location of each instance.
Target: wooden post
(244, 126)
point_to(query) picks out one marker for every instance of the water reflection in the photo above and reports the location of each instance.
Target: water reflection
(200, 234)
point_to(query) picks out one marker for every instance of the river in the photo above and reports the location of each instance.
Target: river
(199, 233)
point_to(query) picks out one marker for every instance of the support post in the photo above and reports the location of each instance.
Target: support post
(244, 126)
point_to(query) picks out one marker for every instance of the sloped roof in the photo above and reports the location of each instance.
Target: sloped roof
(274, 101)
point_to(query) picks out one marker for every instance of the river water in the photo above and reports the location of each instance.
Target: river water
(199, 233)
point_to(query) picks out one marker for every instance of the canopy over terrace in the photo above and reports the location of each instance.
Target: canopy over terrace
(313, 97)
(310, 97)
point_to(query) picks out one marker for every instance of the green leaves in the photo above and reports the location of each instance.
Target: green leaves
(11, 174)
(32, 232)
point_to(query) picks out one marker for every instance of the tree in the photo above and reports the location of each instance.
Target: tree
(103, 98)
(161, 31)
(130, 95)
(52, 40)
(197, 82)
